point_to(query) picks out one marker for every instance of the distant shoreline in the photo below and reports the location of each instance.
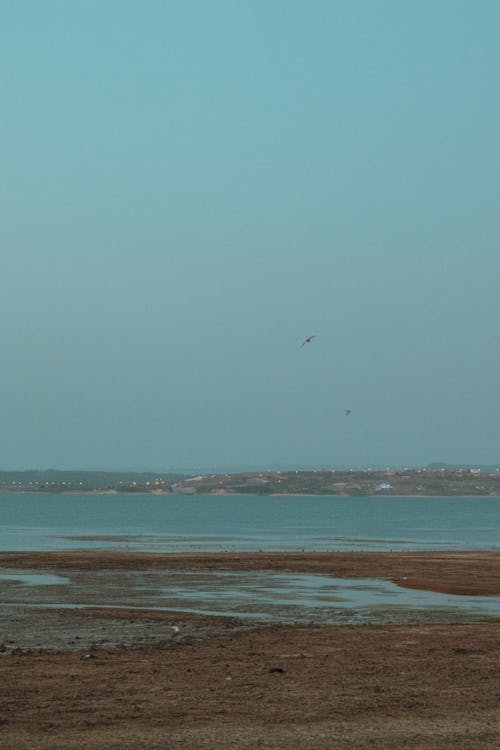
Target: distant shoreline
(332, 483)
(228, 493)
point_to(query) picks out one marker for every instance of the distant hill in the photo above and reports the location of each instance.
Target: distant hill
(440, 480)
(487, 469)
(287, 466)
(82, 479)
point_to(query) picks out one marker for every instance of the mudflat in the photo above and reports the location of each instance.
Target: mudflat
(461, 572)
(156, 680)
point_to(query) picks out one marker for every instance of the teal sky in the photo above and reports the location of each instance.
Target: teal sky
(189, 189)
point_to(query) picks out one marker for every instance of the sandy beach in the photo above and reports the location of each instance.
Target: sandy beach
(121, 678)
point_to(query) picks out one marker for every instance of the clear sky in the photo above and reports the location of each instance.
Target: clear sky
(189, 189)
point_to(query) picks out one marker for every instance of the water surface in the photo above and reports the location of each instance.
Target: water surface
(175, 523)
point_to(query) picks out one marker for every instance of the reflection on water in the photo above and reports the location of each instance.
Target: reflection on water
(264, 595)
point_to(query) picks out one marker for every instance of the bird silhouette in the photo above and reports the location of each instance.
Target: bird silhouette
(307, 340)
(347, 412)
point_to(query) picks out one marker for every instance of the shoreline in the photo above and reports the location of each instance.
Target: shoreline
(229, 493)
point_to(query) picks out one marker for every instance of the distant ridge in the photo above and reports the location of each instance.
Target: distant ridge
(487, 469)
(287, 466)
(103, 476)
(437, 482)
(85, 479)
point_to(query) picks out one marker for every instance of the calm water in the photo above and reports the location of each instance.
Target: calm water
(213, 523)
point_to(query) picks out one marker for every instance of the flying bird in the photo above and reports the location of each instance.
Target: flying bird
(307, 340)
(347, 412)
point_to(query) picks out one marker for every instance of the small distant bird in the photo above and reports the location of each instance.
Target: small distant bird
(347, 412)
(307, 340)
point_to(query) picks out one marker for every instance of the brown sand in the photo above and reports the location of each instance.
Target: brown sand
(212, 686)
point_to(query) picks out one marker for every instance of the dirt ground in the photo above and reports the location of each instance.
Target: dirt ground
(191, 681)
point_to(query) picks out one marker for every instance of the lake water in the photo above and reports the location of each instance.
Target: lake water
(174, 523)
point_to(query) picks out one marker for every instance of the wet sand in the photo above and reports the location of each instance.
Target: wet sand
(171, 680)
(462, 572)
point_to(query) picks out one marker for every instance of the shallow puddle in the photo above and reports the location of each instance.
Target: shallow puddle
(263, 595)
